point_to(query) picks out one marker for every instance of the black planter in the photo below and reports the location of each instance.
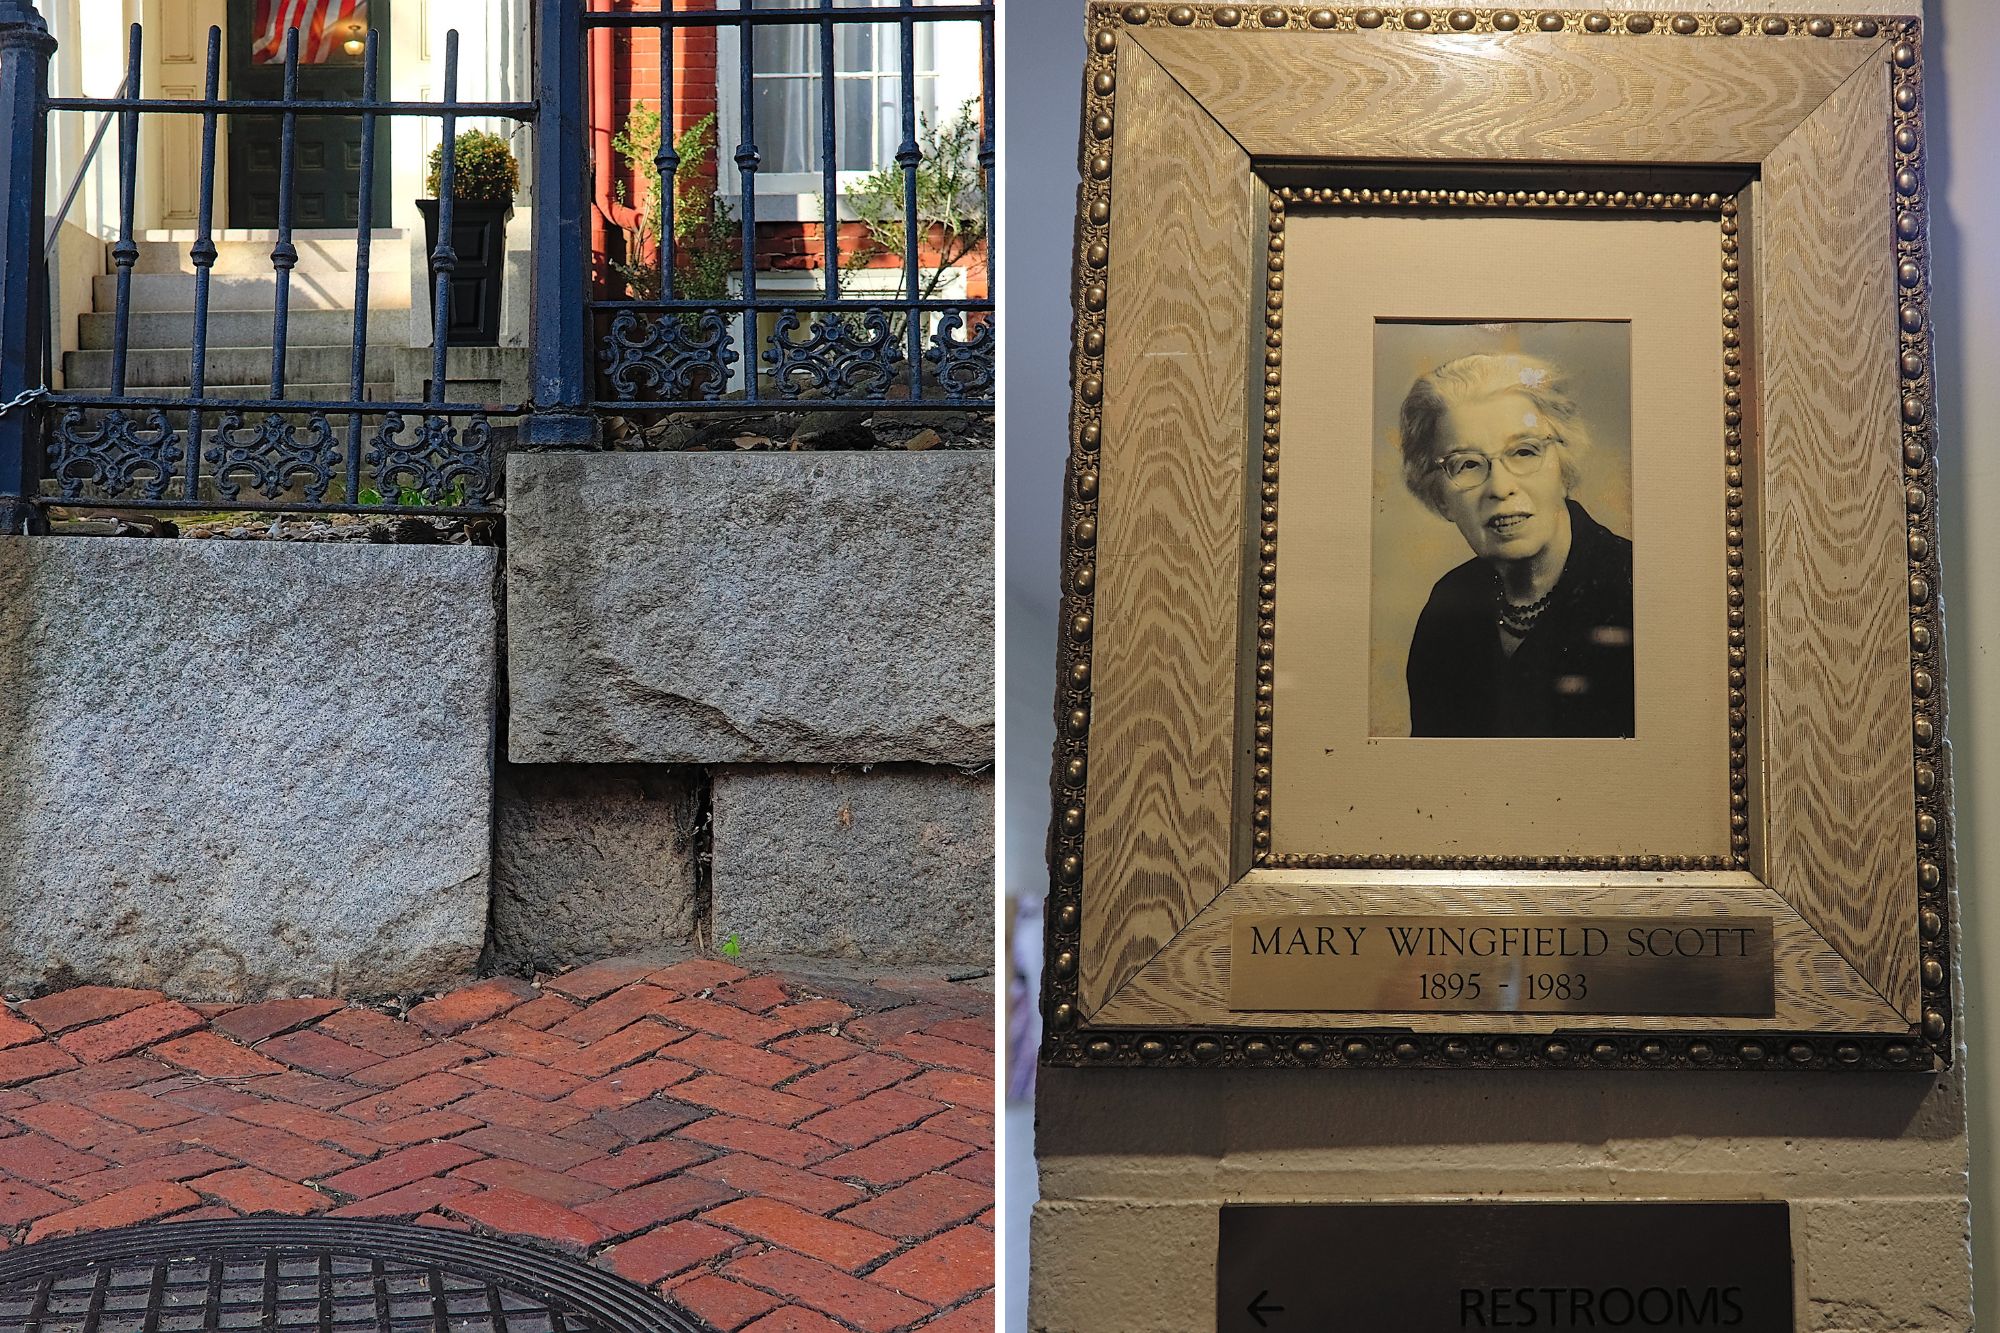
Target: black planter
(479, 236)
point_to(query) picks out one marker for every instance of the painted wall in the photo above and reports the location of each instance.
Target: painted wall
(89, 62)
(1133, 1165)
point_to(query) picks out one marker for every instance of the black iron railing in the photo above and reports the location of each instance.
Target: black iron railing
(115, 448)
(169, 450)
(838, 350)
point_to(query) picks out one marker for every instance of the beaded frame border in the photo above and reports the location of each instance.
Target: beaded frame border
(1067, 1040)
(1723, 209)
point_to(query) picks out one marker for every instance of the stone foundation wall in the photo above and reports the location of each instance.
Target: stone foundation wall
(706, 608)
(231, 769)
(236, 769)
(750, 696)
(894, 865)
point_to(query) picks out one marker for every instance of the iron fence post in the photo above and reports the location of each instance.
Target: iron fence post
(25, 48)
(559, 358)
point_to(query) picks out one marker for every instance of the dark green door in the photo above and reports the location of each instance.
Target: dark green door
(326, 164)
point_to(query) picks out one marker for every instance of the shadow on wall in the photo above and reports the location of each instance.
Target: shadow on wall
(21, 588)
(1239, 1112)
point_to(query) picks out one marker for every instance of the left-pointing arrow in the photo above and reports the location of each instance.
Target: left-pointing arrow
(1258, 1309)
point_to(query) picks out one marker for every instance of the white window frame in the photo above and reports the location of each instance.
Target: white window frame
(794, 196)
(856, 284)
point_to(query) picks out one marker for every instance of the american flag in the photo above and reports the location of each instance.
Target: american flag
(323, 26)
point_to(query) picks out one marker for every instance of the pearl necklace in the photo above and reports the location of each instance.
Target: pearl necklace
(1519, 619)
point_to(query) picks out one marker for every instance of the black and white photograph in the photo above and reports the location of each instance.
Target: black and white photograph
(1501, 591)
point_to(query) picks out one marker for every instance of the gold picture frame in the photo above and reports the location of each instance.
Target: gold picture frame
(1800, 137)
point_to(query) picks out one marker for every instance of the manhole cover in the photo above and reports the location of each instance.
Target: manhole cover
(313, 1273)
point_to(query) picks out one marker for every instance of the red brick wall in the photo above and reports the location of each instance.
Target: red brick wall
(802, 245)
(634, 74)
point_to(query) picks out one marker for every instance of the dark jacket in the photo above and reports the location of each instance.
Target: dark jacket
(1572, 674)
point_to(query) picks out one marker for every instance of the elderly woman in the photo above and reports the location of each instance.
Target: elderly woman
(1533, 635)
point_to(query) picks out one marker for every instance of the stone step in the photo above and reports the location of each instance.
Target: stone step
(225, 365)
(241, 328)
(322, 255)
(322, 392)
(175, 291)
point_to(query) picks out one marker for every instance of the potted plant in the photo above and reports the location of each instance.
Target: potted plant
(484, 176)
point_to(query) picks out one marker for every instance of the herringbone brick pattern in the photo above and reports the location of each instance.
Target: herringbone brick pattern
(779, 1154)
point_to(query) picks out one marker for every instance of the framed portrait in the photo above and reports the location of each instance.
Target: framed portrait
(1499, 620)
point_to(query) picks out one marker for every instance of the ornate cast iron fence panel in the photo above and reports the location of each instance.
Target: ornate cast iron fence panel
(831, 349)
(197, 449)
(113, 448)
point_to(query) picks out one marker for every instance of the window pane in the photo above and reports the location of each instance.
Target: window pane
(888, 118)
(788, 124)
(857, 126)
(785, 48)
(858, 46)
(868, 58)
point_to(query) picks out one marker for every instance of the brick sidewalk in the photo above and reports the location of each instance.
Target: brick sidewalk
(779, 1154)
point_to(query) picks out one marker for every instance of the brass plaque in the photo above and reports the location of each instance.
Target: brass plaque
(1706, 966)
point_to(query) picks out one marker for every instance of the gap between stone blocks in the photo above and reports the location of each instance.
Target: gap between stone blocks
(886, 865)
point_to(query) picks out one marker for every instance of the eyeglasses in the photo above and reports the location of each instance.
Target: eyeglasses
(1468, 469)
